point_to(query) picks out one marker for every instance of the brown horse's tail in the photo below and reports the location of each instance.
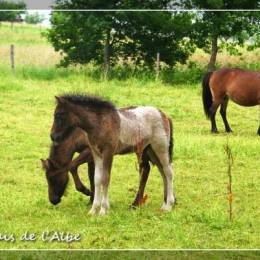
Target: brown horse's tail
(206, 94)
(171, 141)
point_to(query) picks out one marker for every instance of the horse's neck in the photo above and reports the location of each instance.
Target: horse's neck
(62, 154)
(86, 118)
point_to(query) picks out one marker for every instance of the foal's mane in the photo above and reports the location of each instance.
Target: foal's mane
(91, 102)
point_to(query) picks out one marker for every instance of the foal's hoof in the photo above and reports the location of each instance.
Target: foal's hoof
(166, 207)
(143, 200)
(138, 203)
(133, 206)
(214, 131)
(93, 211)
(103, 212)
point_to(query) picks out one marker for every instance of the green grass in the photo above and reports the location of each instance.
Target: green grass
(200, 219)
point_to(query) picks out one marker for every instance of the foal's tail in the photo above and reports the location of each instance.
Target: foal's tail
(171, 141)
(206, 94)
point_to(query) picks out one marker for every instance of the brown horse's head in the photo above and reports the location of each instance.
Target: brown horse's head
(57, 179)
(64, 121)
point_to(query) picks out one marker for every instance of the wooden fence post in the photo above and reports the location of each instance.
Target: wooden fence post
(12, 56)
(157, 65)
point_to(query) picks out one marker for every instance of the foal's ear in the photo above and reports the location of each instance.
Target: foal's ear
(61, 100)
(45, 164)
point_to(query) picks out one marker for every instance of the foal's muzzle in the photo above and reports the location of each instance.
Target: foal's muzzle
(55, 200)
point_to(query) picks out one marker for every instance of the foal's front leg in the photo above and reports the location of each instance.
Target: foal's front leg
(102, 177)
(107, 164)
(97, 181)
(84, 156)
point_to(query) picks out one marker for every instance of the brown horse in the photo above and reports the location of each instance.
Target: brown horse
(114, 131)
(60, 162)
(241, 86)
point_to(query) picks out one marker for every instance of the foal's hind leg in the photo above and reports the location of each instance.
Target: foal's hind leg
(153, 157)
(223, 112)
(166, 171)
(144, 170)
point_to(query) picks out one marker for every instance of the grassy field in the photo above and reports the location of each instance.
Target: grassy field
(200, 219)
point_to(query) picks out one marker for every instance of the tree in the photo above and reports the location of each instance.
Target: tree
(104, 37)
(230, 28)
(11, 16)
(34, 18)
(150, 33)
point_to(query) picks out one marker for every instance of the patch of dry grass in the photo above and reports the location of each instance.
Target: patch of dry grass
(224, 59)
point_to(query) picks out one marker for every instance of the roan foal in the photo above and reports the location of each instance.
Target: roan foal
(113, 131)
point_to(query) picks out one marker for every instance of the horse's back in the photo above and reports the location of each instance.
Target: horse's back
(141, 122)
(242, 86)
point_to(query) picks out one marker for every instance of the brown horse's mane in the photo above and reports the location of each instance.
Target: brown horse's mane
(92, 102)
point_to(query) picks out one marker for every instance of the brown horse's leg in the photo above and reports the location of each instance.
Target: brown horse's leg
(223, 112)
(213, 110)
(258, 132)
(144, 170)
(85, 156)
(91, 171)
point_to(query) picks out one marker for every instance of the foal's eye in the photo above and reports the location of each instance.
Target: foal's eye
(59, 115)
(59, 118)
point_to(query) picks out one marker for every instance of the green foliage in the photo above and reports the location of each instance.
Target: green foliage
(220, 4)
(138, 36)
(34, 18)
(233, 28)
(150, 33)
(11, 15)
